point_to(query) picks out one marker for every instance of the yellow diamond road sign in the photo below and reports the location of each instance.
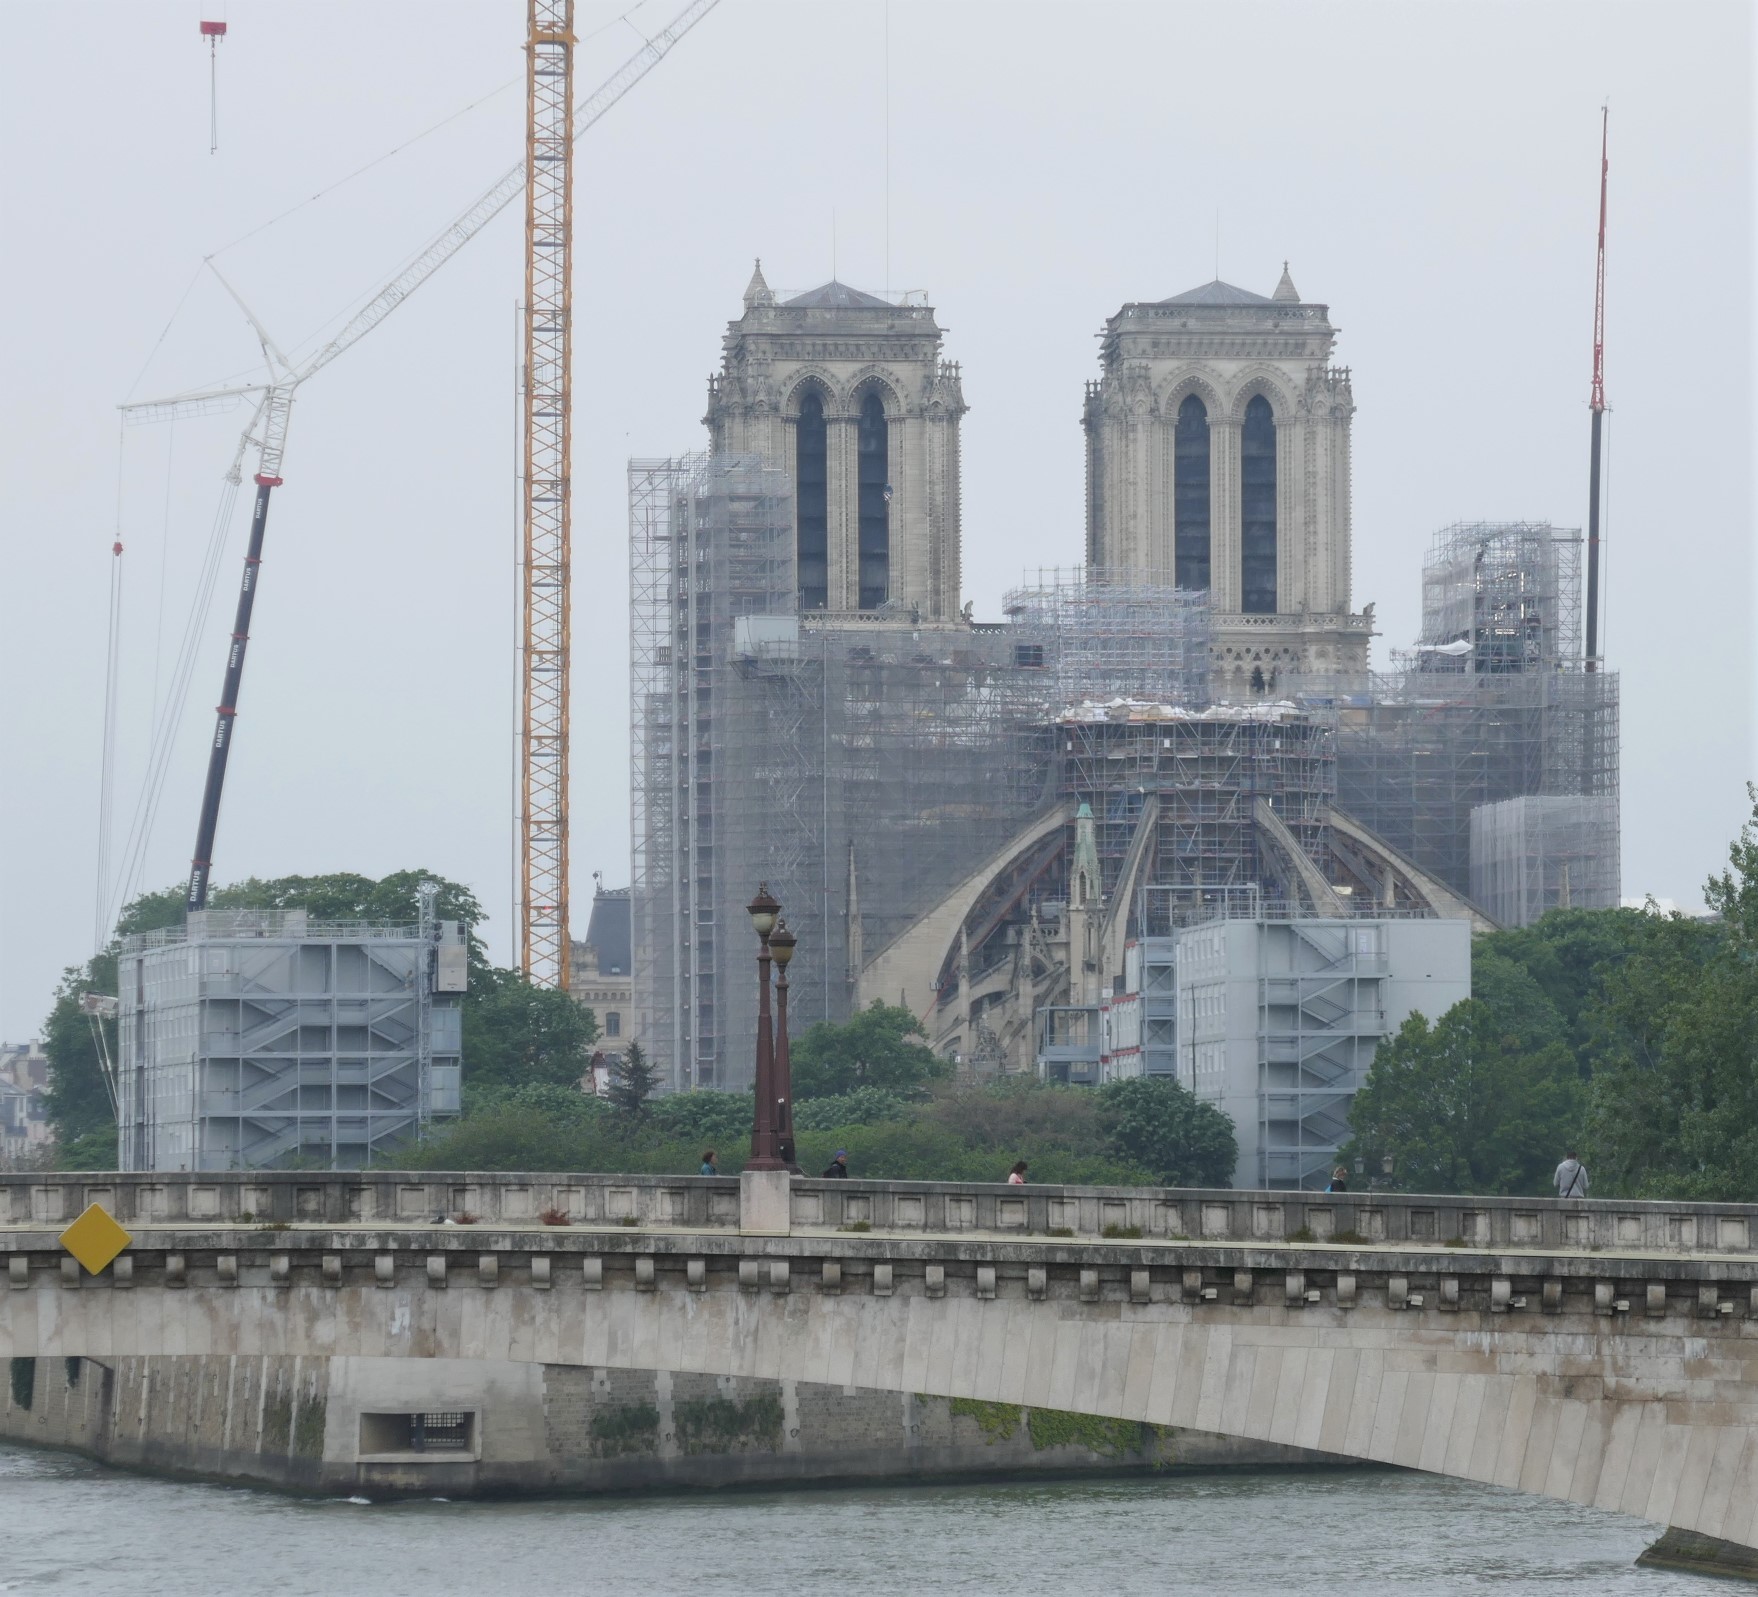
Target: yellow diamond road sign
(94, 1238)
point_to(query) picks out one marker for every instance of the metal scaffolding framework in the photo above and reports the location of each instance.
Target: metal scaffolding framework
(655, 486)
(549, 225)
(1538, 853)
(1207, 769)
(253, 1038)
(1493, 704)
(1098, 636)
(1502, 597)
(857, 763)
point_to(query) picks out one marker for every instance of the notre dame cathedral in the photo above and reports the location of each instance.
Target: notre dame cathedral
(1217, 459)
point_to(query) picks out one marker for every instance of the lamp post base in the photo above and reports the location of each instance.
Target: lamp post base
(765, 1202)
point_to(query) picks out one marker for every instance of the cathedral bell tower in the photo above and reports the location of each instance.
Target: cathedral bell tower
(1218, 458)
(847, 393)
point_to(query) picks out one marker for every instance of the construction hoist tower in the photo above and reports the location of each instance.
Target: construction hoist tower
(549, 229)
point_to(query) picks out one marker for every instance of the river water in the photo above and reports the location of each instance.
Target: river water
(70, 1527)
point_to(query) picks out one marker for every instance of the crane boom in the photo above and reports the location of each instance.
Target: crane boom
(544, 655)
(269, 424)
(492, 203)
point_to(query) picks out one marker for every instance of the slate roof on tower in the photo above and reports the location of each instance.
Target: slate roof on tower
(836, 296)
(1217, 293)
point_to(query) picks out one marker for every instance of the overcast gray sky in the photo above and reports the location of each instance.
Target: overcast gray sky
(1428, 171)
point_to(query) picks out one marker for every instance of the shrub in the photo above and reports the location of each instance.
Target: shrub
(554, 1216)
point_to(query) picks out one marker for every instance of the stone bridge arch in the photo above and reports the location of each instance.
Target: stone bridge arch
(1622, 1378)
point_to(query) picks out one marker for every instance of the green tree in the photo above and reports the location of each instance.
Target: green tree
(882, 1045)
(1153, 1122)
(1486, 1100)
(517, 1034)
(78, 1101)
(707, 1117)
(1674, 1107)
(632, 1081)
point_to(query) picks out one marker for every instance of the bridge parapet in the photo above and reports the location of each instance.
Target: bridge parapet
(707, 1204)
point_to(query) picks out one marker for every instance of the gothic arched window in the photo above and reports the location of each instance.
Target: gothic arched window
(1190, 495)
(812, 504)
(875, 506)
(1257, 509)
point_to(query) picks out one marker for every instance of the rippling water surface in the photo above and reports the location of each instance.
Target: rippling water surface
(70, 1527)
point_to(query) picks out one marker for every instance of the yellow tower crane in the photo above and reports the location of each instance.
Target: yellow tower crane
(544, 656)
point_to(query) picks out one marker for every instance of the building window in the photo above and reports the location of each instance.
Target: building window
(1190, 495)
(613, 1024)
(812, 501)
(875, 506)
(1257, 507)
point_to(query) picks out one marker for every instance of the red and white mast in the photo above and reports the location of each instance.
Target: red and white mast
(1597, 405)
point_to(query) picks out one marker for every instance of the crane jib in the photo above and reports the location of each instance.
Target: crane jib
(226, 715)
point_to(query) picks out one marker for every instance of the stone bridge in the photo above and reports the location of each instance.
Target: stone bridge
(1604, 1352)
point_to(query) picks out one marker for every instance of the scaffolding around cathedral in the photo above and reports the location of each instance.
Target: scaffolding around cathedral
(1539, 852)
(1494, 704)
(655, 486)
(1099, 634)
(1502, 597)
(859, 764)
(1206, 771)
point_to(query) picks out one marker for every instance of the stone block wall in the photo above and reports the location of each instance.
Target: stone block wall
(295, 1423)
(254, 1419)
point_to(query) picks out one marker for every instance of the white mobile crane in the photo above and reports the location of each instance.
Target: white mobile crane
(267, 431)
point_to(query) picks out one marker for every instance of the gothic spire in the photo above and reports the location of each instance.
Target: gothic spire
(1285, 290)
(758, 292)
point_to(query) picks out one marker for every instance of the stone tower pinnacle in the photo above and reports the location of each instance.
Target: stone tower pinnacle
(1218, 458)
(846, 392)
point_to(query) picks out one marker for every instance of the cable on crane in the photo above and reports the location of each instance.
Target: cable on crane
(182, 299)
(410, 143)
(170, 714)
(361, 171)
(107, 762)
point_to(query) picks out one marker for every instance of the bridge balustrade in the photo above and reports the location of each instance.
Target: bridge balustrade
(698, 1203)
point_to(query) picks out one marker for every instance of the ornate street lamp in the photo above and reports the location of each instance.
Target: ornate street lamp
(781, 1087)
(765, 1139)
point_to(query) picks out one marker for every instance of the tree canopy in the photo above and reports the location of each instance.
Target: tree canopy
(879, 1046)
(1627, 1034)
(1153, 1122)
(517, 1034)
(632, 1080)
(1485, 1100)
(1674, 1104)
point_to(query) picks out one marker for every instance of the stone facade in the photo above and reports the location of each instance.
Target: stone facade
(833, 348)
(1225, 348)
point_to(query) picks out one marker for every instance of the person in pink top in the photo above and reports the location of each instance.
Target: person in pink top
(1016, 1176)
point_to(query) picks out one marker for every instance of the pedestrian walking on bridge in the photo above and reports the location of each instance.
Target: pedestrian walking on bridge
(1571, 1177)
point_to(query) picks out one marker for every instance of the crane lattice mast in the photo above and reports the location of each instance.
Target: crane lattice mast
(549, 229)
(1597, 404)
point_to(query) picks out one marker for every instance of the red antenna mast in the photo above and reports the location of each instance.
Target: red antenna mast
(1597, 405)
